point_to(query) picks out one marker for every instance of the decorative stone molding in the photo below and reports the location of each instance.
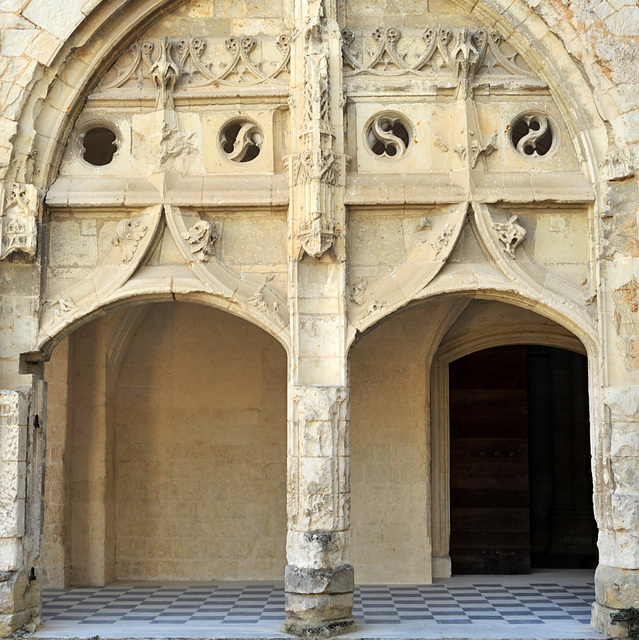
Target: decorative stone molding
(357, 291)
(458, 49)
(510, 234)
(127, 236)
(181, 63)
(444, 238)
(202, 237)
(18, 220)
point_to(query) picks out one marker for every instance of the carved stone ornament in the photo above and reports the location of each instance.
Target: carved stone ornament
(388, 135)
(617, 166)
(258, 301)
(357, 292)
(316, 166)
(510, 234)
(443, 240)
(127, 236)
(165, 73)
(202, 237)
(181, 63)
(459, 50)
(19, 221)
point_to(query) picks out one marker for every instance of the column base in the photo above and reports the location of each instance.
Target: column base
(19, 603)
(310, 629)
(602, 619)
(319, 602)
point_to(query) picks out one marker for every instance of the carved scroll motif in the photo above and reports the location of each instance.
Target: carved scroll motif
(510, 234)
(202, 237)
(180, 63)
(18, 221)
(128, 234)
(458, 49)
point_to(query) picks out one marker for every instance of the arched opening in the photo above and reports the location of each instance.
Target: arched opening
(402, 482)
(166, 449)
(521, 487)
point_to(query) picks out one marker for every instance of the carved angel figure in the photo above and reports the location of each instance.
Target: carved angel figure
(127, 236)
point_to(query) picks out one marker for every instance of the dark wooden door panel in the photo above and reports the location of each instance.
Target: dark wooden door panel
(489, 492)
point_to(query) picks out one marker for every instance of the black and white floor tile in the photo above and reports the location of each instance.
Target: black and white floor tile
(224, 605)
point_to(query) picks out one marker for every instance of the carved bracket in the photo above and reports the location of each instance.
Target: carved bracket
(19, 220)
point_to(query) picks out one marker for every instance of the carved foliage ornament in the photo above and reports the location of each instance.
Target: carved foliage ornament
(128, 234)
(179, 63)
(202, 237)
(510, 234)
(461, 51)
(18, 221)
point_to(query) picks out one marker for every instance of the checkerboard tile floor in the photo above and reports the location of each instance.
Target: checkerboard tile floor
(532, 603)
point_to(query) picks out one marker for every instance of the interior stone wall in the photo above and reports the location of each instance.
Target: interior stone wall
(200, 453)
(390, 452)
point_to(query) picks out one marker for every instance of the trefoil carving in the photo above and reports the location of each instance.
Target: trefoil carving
(463, 52)
(19, 221)
(202, 237)
(181, 63)
(128, 234)
(510, 234)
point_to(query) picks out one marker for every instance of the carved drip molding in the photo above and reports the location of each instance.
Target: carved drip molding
(456, 52)
(184, 63)
(18, 220)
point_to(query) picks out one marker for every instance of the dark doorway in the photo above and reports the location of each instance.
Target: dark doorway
(521, 488)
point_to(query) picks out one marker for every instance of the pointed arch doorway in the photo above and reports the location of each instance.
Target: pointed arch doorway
(510, 447)
(521, 493)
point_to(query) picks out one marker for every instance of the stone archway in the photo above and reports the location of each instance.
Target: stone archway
(482, 325)
(166, 449)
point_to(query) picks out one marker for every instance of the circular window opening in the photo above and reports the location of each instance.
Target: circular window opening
(99, 146)
(388, 135)
(532, 135)
(241, 140)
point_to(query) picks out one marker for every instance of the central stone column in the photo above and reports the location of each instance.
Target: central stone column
(319, 580)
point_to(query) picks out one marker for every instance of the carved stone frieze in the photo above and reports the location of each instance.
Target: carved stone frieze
(202, 237)
(510, 234)
(183, 63)
(458, 50)
(19, 221)
(128, 234)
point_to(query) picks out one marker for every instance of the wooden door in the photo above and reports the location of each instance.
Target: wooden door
(489, 489)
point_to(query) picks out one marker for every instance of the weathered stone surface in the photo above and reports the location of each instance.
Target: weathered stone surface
(272, 167)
